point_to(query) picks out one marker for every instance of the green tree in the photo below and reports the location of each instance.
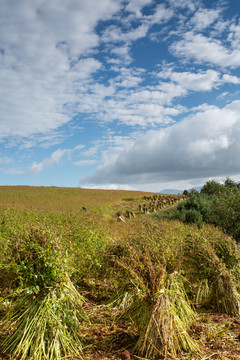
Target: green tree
(212, 187)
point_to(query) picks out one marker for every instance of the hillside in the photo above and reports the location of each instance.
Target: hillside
(117, 281)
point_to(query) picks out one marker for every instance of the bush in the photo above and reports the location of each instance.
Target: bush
(212, 187)
(216, 204)
(193, 216)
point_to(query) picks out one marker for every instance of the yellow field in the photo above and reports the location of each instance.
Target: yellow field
(62, 199)
(84, 285)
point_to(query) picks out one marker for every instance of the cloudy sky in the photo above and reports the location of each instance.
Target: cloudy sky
(119, 94)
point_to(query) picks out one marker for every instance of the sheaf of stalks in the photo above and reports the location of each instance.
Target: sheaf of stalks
(159, 306)
(217, 287)
(46, 310)
(45, 326)
(163, 321)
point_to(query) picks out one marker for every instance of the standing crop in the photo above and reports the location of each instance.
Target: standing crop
(46, 311)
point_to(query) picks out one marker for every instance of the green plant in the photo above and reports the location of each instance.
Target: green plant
(217, 204)
(46, 310)
(193, 216)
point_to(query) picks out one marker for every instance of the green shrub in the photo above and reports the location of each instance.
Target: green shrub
(217, 204)
(193, 216)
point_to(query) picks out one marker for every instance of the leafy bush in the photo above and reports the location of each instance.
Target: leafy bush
(217, 204)
(212, 187)
(193, 216)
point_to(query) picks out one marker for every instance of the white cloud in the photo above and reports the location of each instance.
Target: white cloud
(208, 146)
(202, 145)
(234, 35)
(190, 81)
(115, 33)
(123, 53)
(204, 49)
(111, 187)
(48, 71)
(91, 151)
(223, 95)
(58, 59)
(128, 77)
(85, 68)
(200, 81)
(189, 4)
(55, 158)
(135, 6)
(204, 18)
(162, 14)
(42, 45)
(231, 79)
(127, 102)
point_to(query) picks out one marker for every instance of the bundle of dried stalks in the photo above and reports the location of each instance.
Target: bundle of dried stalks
(159, 306)
(45, 327)
(217, 289)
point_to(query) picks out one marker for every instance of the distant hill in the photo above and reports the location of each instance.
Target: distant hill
(176, 192)
(171, 191)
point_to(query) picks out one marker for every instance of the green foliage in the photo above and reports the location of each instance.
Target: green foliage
(193, 216)
(39, 268)
(212, 187)
(217, 204)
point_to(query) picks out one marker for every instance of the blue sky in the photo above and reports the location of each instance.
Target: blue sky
(119, 94)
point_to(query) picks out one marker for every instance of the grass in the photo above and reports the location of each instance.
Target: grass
(77, 284)
(70, 200)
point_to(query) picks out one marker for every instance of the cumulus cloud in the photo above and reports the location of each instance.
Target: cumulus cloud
(125, 101)
(204, 18)
(135, 6)
(202, 145)
(189, 4)
(42, 45)
(200, 81)
(85, 67)
(231, 79)
(49, 64)
(204, 49)
(73, 63)
(195, 81)
(116, 34)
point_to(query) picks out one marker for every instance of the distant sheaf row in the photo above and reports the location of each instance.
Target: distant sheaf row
(152, 204)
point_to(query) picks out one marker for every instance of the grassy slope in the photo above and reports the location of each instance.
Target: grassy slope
(90, 240)
(61, 199)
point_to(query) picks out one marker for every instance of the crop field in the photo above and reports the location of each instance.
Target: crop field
(61, 199)
(116, 280)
